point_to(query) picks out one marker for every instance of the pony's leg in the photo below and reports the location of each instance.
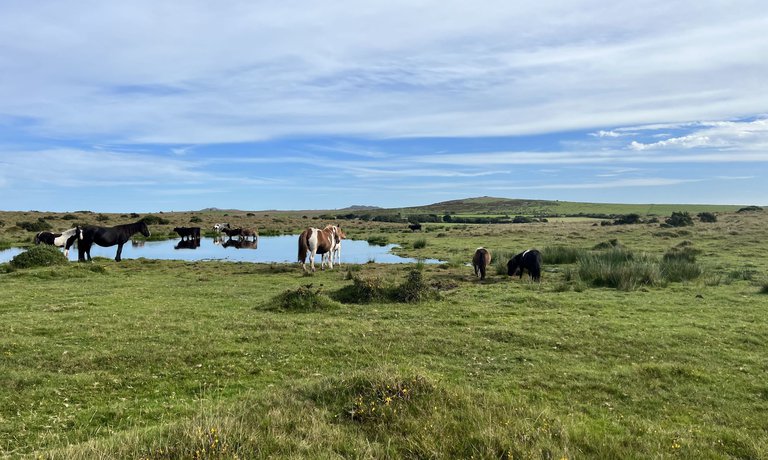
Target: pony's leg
(119, 251)
(312, 260)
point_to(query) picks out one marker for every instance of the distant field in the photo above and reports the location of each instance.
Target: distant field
(154, 359)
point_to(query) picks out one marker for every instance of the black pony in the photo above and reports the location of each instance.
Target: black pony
(188, 232)
(108, 236)
(528, 260)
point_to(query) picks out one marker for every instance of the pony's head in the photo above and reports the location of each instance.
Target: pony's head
(513, 266)
(144, 229)
(219, 227)
(37, 237)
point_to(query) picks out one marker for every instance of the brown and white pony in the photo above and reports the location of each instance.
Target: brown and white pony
(316, 241)
(481, 261)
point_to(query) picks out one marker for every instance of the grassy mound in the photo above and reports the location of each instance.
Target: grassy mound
(303, 298)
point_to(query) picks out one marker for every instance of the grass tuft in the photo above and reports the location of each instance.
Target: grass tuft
(303, 298)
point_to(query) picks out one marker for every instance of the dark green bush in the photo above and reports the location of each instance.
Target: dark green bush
(195, 220)
(155, 220)
(39, 226)
(679, 219)
(363, 290)
(39, 256)
(420, 243)
(378, 240)
(707, 217)
(415, 289)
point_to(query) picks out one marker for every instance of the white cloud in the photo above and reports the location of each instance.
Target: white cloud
(186, 73)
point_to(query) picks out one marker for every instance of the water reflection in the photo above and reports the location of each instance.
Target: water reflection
(187, 244)
(278, 249)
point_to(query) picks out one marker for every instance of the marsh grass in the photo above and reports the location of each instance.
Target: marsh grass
(619, 269)
(420, 243)
(561, 255)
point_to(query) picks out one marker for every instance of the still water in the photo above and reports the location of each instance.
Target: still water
(277, 249)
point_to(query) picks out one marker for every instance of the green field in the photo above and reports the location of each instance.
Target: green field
(164, 359)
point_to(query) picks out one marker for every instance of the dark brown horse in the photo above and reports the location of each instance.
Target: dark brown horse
(480, 262)
(108, 236)
(316, 241)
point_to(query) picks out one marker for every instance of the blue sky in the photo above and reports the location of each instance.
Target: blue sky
(149, 106)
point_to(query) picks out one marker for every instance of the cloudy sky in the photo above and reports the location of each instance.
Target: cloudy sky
(181, 105)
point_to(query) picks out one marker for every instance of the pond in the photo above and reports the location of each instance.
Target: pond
(279, 249)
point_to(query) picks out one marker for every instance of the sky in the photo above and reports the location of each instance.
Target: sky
(166, 105)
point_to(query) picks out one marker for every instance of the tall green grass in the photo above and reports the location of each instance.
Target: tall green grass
(619, 269)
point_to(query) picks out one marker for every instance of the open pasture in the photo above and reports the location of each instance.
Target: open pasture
(158, 359)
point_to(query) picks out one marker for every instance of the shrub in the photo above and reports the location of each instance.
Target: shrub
(39, 256)
(195, 220)
(707, 217)
(679, 219)
(362, 290)
(378, 240)
(415, 289)
(750, 209)
(521, 220)
(764, 288)
(39, 226)
(421, 243)
(303, 298)
(627, 219)
(69, 217)
(155, 220)
(102, 218)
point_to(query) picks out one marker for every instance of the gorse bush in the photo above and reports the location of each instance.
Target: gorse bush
(155, 220)
(39, 256)
(679, 219)
(38, 226)
(363, 290)
(415, 289)
(378, 240)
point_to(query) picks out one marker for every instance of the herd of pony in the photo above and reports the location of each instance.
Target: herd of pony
(312, 241)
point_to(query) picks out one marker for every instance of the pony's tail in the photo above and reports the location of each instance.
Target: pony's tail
(303, 246)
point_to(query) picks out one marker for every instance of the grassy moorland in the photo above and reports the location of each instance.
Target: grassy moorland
(164, 359)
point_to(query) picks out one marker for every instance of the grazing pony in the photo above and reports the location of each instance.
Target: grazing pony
(108, 236)
(480, 262)
(192, 233)
(64, 239)
(415, 226)
(527, 260)
(218, 227)
(316, 241)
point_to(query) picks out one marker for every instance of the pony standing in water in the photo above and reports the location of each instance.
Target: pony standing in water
(64, 239)
(108, 236)
(316, 241)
